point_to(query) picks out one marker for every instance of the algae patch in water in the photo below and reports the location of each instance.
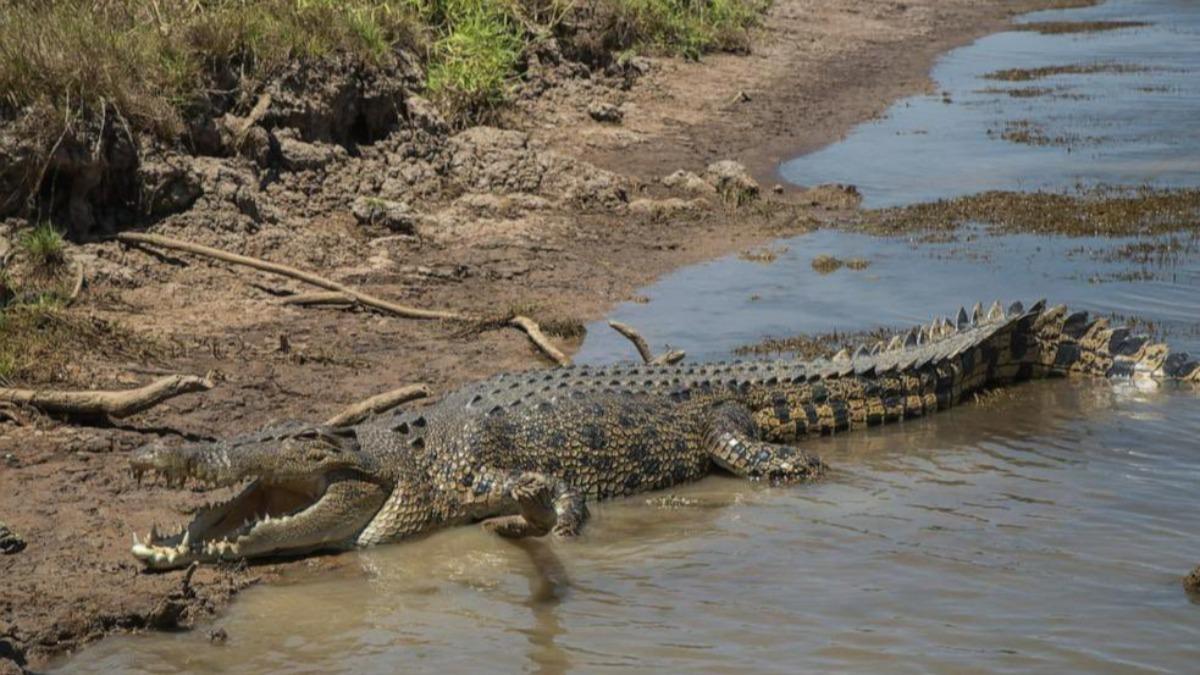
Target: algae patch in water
(1104, 211)
(1028, 132)
(1064, 27)
(1028, 74)
(825, 264)
(765, 256)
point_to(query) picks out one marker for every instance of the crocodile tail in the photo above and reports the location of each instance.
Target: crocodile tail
(1056, 342)
(984, 348)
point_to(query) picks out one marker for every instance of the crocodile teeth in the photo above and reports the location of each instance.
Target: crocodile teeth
(995, 312)
(962, 319)
(843, 355)
(976, 314)
(1016, 308)
(896, 344)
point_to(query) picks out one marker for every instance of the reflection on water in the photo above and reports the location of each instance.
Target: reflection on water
(1126, 128)
(1042, 531)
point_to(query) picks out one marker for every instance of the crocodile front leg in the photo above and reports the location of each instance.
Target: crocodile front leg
(544, 504)
(734, 445)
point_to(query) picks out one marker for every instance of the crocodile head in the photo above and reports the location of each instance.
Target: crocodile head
(304, 488)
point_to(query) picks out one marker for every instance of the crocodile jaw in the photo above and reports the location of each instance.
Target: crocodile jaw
(258, 521)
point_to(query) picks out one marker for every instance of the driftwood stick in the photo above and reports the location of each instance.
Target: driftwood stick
(111, 403)
(636, 338)
(287, 271)
(377, 404)
(539, 339)
(648, 357)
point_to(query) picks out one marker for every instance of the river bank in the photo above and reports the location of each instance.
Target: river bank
(559, 206)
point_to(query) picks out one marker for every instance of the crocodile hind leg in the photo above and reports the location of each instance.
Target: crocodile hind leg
(545, 505)
(734, 445)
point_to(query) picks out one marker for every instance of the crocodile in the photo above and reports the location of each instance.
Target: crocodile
(525, 453)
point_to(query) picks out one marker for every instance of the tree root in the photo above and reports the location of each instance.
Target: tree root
(115, 404)
(288, 271)
(377, 404)
(539, 339)
(643, 348)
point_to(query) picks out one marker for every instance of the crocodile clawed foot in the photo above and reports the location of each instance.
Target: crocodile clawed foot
(534, 495)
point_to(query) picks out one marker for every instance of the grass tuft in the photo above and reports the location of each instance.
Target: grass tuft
(45, 247)
(474, 60)
(689, 27)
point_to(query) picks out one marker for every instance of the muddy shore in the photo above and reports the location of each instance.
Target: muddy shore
(553, 209)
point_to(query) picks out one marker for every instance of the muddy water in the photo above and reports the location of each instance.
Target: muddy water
(1129, 127)
(1043, 531)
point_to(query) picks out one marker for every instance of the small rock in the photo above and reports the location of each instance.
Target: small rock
(605, 112)
(296, 155)
(832, 196)
(395, 216)
(256, 145)
(423, 114)
(732, 182)
(777, 189)
(169, 185)
(10, 542)
(218, 636)
(1191, 583)
(688, 181)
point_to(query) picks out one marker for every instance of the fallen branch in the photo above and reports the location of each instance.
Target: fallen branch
(377, 404)
(539, 339)
(287, 271)
(341, 294)
(115, 404)
(648, 357)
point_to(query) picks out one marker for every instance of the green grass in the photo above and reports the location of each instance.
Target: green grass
(149, 62)
(44, 245)
(688, 27)
(474, 60)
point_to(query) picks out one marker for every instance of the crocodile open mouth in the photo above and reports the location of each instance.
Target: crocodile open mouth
(222, 530)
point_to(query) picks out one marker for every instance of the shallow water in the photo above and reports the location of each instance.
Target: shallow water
(1043, 531)
(1128, 128)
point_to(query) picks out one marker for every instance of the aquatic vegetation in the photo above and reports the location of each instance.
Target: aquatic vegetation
(1026, 74)
(1096, 211)
(1064, 27)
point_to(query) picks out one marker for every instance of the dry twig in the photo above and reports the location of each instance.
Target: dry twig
(377, 404)
(648, 357)
(539, 339)
(111, 403)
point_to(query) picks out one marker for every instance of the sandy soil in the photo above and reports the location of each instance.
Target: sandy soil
(565, 213)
